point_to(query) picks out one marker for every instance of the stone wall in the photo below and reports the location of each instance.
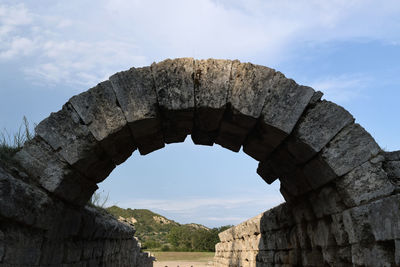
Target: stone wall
(328, 227)
(37, 229)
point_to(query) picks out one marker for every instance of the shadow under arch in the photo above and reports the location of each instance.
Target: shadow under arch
(313, 146)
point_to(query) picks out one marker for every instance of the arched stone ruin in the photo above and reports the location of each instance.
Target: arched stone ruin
(341, 189)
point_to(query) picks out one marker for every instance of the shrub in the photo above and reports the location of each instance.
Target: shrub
(165, 248)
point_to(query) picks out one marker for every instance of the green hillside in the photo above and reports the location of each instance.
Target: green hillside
(157, 232)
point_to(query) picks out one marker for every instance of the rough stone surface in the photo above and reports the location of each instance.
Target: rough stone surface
(316, 128)
(66, 133)
(349, 149)
(55, 175)
(50, 232)
(136, 94)
(98, 109)
(248, 90)
(284, 104)
(363, 184)
(174, 82)
(211, 87)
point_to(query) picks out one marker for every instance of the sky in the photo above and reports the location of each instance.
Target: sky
(348, 49)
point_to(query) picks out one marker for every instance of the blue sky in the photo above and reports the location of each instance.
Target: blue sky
(51, 50)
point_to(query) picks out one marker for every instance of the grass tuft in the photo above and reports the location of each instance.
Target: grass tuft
(12, 143)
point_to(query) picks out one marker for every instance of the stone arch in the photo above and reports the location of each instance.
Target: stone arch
(324, 160)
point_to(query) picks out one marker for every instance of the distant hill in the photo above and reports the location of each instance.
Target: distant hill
(156, 231)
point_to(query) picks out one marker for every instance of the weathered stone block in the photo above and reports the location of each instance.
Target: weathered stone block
(326, 201)
(276, 218)
(350, 148)
(211, 87)
(384, 218)
(55, 175)
(136, 94)
(338, 230)
(316, 128)
(284, 104)
(356, 224)
(312, 257)
(66, 133)
(53, 253)
(320, 234)
(247, 93)
(73, 251)
(22, 247)
(42, 212)
(373, 255)
(175, 93)
(2, 246)
(392, 156)
(363, 184)
(302, 211)
(266, 172)
(392, 168)
(98, 109)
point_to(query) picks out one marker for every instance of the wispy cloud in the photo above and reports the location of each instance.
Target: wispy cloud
(186, 210)
(343, 88)
(183, 205)
(65, 44)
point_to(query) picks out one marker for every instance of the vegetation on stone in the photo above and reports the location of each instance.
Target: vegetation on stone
(12, 143)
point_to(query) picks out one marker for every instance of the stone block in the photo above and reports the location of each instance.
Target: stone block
(392, 168)
(392, 156)
(53, 253)
(302, 211)
(312, 257)
(99, 110)
(276, 218)
(296, 183)
(363, 184)
(376, 221)
(175, 93)
(350, 148)
(356, 224)
(42, 163)
(42, 212)
(2, 246)
(136, 94)
(211, 87)
(266, 172)
(247, 93)
(326, 201)
(338, 230)
(320, 234)
(284, 104)
(318, 125)
(384, 218)
(73, 251)
(65, 132)
(22, 247)
(372, 255)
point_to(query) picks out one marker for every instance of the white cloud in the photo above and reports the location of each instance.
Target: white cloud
(208, 210)
(72, 43)
(187, 204)
(343, 88)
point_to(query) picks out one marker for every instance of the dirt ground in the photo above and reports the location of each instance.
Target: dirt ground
(182, 264)
(183, 259)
